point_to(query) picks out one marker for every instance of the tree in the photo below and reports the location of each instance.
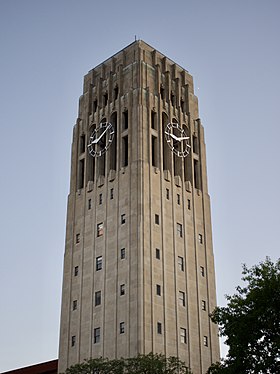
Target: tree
(251, 323)
(142, 364)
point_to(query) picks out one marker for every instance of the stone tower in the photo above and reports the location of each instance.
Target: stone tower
(138, 266)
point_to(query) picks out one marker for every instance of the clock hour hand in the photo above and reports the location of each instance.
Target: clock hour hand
(172, 135)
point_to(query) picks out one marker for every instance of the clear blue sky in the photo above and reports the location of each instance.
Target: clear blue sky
(231, 48)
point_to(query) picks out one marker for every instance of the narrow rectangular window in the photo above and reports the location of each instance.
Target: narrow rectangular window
(122, 328)
(203, 305)
(202, 271)
(125, 120)
(183, 335)
(189, 204)
(96, 335)
(111, 193)
(181, 263)
(98, 263)
(73, 340)
(205, 341)
(157, 254)
(153, 120)
(105, 98)
(100, 198)
(97, 298)
(197, 182)
(75, 304)
(89, 204)
(200, 238)
(179, 230)
(195, 144)
(81, 174)
(122, 253)
(167, 194)
(158, 290)
(122, 289)
(178, 199)
(122, 219)
(78, 238)
(125, 151)
(99, 229)
(116, 92)
(94, 105)
(156, 219)
(76, 271)
(159, 328)
(82, 143)
(182, 298)
(154, 151)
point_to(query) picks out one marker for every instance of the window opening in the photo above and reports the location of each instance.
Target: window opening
(157, 254)
(98, 263)
(205, 341)
(105, 98)
(125, 119)
(122, 253)
(202, 271)
(99, 230)
(81, 174)
(125, 151)
(116, 92)
(179, 230)
(97, 298)
(203, 305)
(158, 290)
(159, 328)
(94, 105)
(197, 183)
(89, 204)
(156, 219)
(75, 304)
(154, 151)
(181, 263)
(76, 271)
(73, 340)
(153, 120)
(183, 335)
(122, 289)
(96, 335)
(182, 299)
(122, 219)
(122, 328)
(172, 98)
(82, 143)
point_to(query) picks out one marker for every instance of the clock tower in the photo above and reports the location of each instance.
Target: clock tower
(138, 267)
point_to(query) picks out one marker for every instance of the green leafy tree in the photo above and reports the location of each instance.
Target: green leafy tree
(142, 364)
(251, 323)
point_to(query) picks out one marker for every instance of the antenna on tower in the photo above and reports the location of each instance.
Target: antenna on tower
(135, 37)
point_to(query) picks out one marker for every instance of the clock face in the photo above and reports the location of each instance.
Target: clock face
(177, 139)
(101, 139)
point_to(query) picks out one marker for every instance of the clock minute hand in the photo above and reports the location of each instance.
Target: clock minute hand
(97, 140)
(183, 138)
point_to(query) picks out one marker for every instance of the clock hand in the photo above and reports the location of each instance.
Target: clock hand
(183, 138)
(97, 140)
(172, 135)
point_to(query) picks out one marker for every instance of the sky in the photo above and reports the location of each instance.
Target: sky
(232, 50)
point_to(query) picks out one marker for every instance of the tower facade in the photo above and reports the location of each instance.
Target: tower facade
(138, 267)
